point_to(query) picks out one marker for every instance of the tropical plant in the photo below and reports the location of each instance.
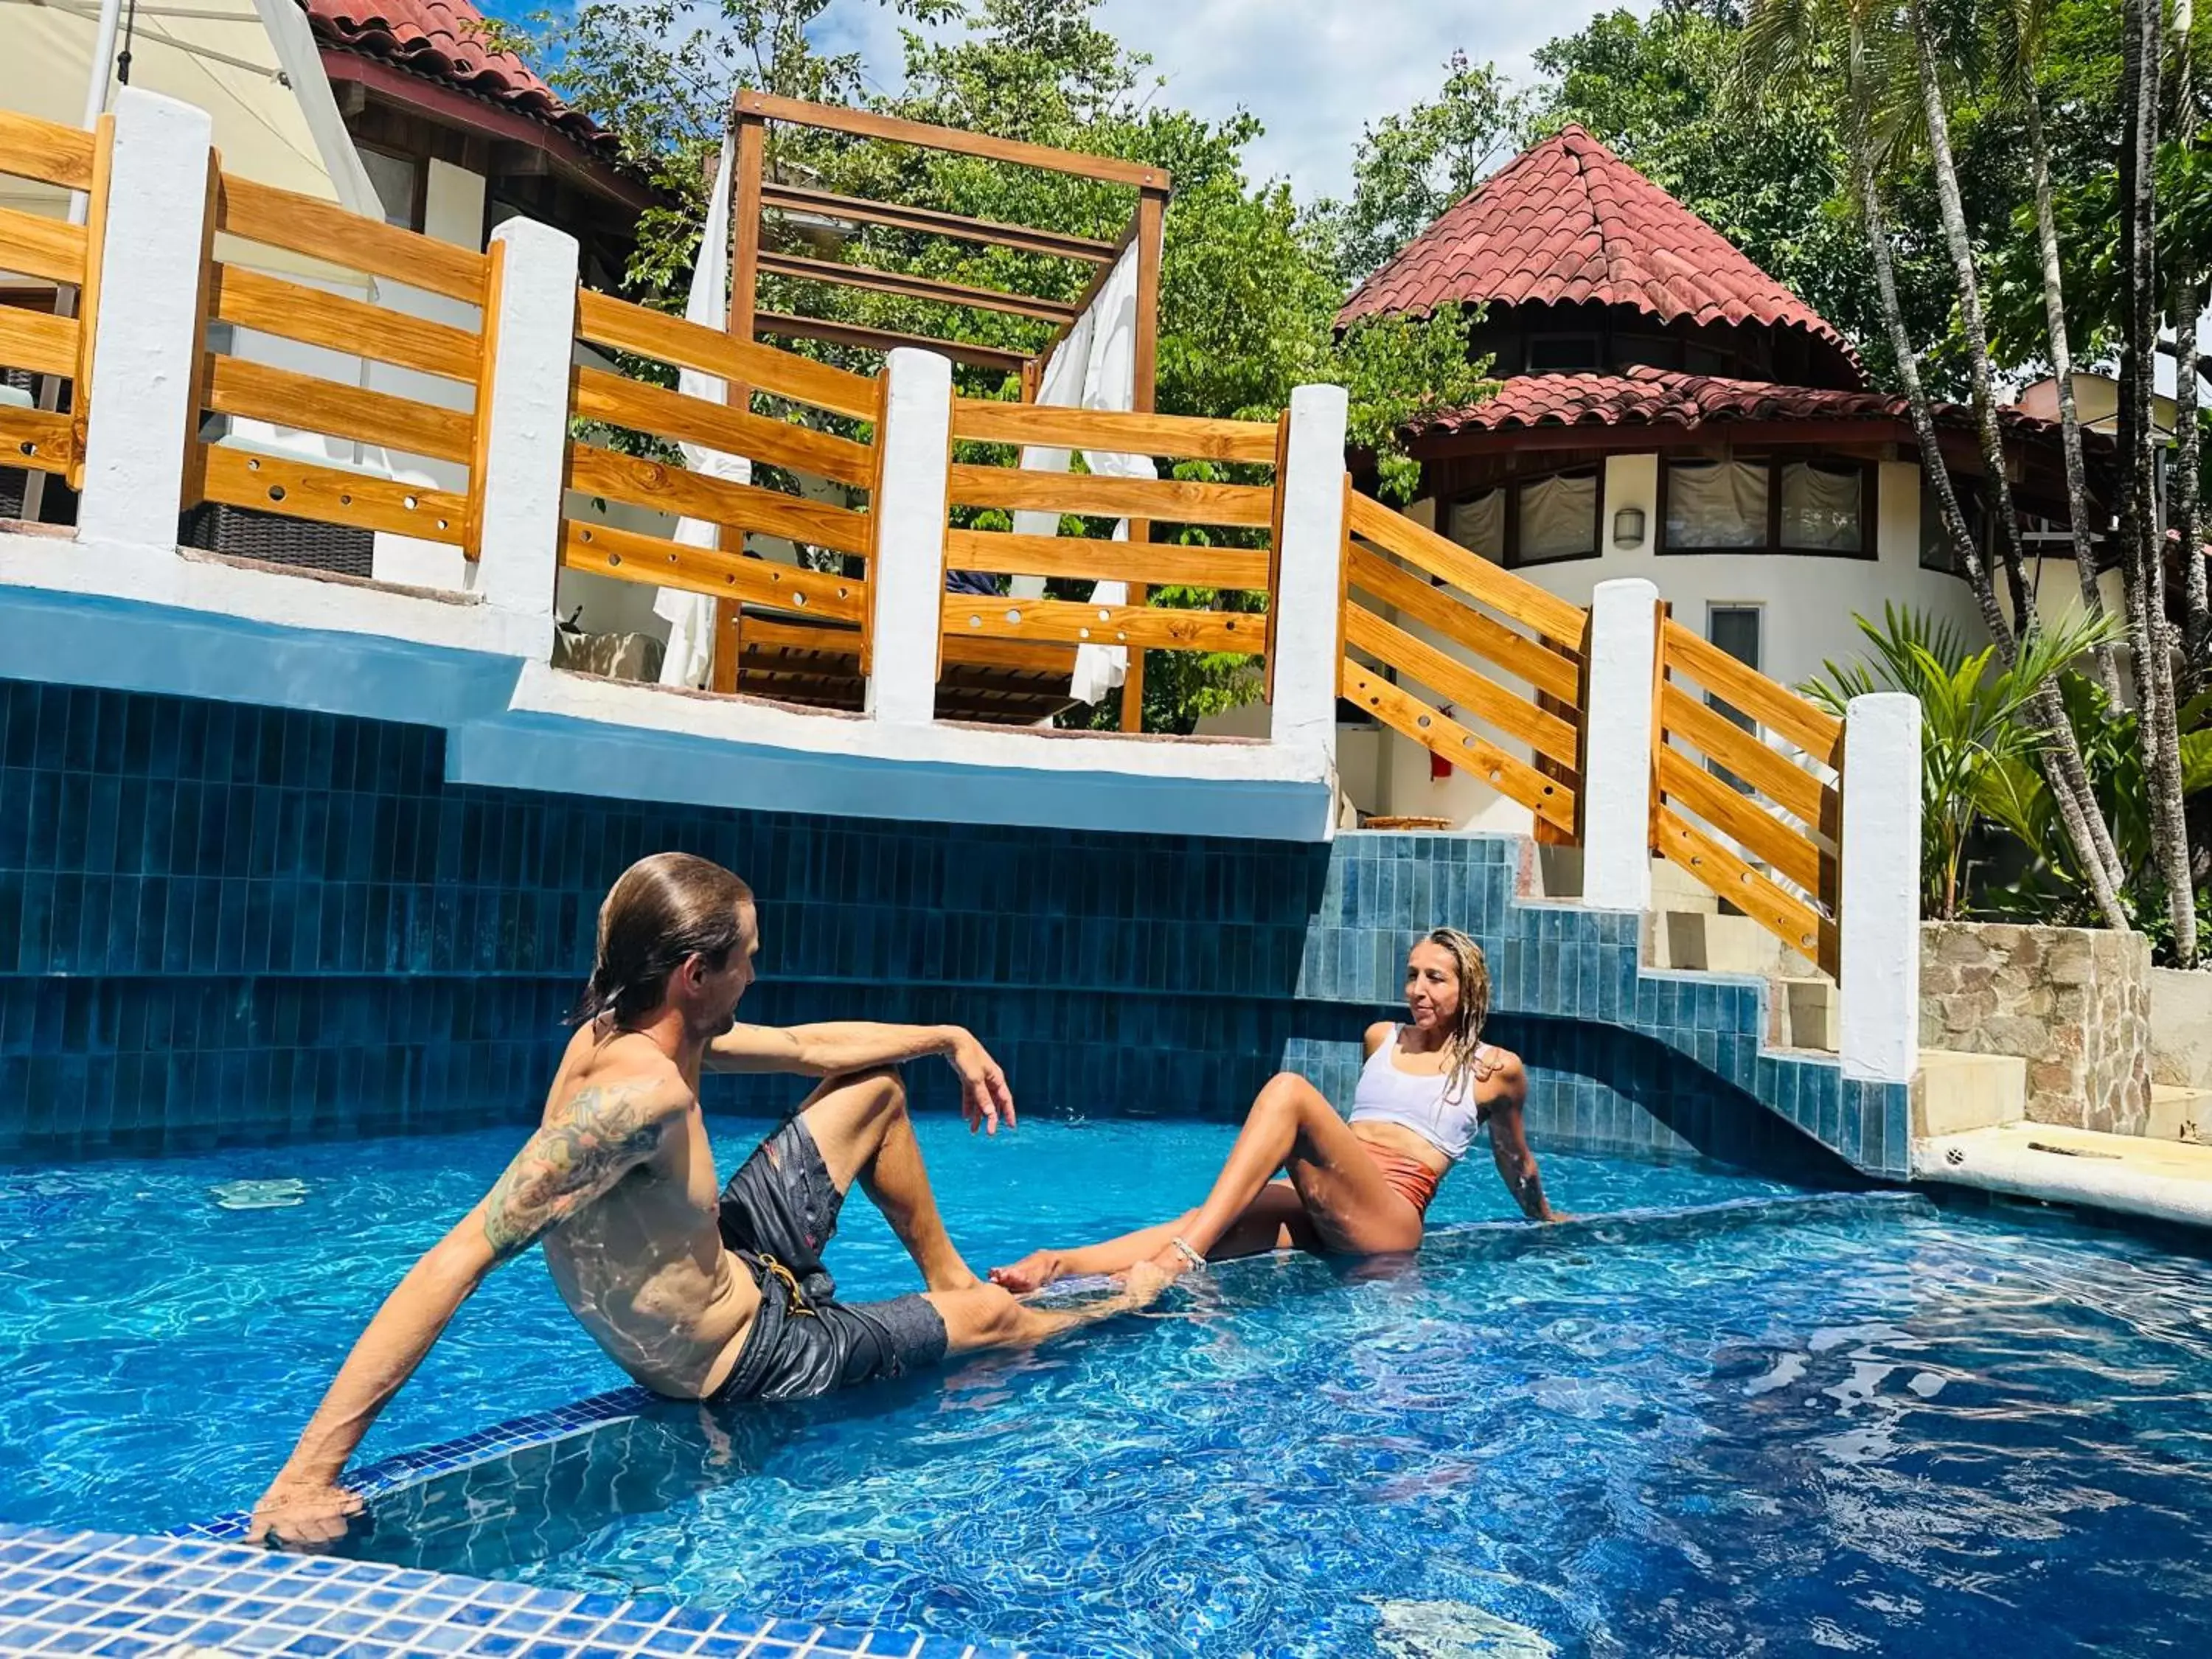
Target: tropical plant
(1977, 739)
(2015, 796)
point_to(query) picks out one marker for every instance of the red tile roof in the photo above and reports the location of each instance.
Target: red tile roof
(1659, 396)
(443, 40)
(1569, 222)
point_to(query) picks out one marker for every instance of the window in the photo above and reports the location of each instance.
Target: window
(1478, 524)
(1555, 519)
(1936, 552)
(1714, 505)
(1823, 508)
(1562, 354)
(1763, 505)
(1735, 628)
(399, 181)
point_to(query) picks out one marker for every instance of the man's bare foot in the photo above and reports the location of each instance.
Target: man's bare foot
(1032, 1272)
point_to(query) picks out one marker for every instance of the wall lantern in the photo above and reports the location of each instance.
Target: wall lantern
(1628, 527)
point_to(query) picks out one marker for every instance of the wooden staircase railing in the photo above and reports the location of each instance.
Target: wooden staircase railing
(1530, 641)
(1757, 822)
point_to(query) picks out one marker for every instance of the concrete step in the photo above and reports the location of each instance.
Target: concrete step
(2133, 1175)
(1958, 1092)
(2179, 1113)
(1705, 941)
(1807, 1013)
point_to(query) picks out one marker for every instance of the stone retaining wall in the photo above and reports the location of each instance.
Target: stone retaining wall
(2074, 1003)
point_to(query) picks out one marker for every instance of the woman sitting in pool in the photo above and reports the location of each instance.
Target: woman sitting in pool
(1356, 1187)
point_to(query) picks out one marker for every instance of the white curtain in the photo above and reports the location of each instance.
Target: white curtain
(1094, 367)
(690, 657)
(1479, 525)
(1716, 504)
(1821, 508)
(1558, 518)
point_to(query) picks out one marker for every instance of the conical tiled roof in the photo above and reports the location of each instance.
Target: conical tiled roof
(1569, 222)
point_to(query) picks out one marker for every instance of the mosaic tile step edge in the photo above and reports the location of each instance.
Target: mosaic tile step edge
(129, 1597)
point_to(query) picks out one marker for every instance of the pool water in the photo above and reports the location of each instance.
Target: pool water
(1869, 1428)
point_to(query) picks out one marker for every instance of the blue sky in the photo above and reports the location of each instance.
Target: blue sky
(1314, 71)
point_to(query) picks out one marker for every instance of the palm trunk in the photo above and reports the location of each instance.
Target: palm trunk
(2188, 504)
(2082, 516)
(2144, 536)
(2188, 306)
(2067, 795)
(1979, 378)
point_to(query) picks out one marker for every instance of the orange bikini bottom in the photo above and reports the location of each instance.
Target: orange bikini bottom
(1411, 1179)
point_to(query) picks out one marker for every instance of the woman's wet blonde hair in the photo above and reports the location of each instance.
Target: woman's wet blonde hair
(1465, 1038)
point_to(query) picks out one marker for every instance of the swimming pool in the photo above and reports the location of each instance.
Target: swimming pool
(1845, 1434)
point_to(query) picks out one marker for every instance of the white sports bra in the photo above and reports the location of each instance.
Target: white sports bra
(1387, 1095)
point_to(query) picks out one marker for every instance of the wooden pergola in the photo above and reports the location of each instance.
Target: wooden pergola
(983, 679)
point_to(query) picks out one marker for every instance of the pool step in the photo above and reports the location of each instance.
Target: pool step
(1957, 1092)
(1709, 941)
(2179, 1114)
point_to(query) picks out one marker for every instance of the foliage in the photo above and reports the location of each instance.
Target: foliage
(1408, 169)
(1975, 745)
(2018, 797)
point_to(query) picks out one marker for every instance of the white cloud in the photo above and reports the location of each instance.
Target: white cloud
(1314, 71)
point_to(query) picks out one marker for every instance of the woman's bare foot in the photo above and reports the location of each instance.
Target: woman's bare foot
(1032, 1272)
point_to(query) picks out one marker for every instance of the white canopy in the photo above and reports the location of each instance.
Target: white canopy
(1094, 367)
(690, 616)
(252, 64)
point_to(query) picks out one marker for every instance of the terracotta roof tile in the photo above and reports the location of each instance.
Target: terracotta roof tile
(1658, 396)
(443, 40)
(1570, 221)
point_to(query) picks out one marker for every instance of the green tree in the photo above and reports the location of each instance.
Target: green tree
(1409, 167)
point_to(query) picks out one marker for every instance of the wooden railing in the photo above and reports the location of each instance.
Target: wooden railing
(1248, 511)
(666, 417)
(1530, 641)
(321, 242)
(1756, 814)
(49, 339)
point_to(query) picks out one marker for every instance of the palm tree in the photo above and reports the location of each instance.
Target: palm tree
(1977, 729)
(2023, 31)
(1885, 46)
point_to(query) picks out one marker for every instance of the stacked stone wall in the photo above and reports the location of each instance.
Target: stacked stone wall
(2072, 1002)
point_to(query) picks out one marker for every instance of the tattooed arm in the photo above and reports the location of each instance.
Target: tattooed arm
(585, 1146)
(1509, 1141)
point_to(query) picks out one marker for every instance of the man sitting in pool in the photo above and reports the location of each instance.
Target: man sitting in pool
(696, 1297)
(1355, 1187)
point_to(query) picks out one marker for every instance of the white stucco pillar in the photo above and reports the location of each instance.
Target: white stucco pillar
(1617, 746)
(1305, 602)
(1880, 888)
(531, 335)
(907, 579)
(144, 376)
